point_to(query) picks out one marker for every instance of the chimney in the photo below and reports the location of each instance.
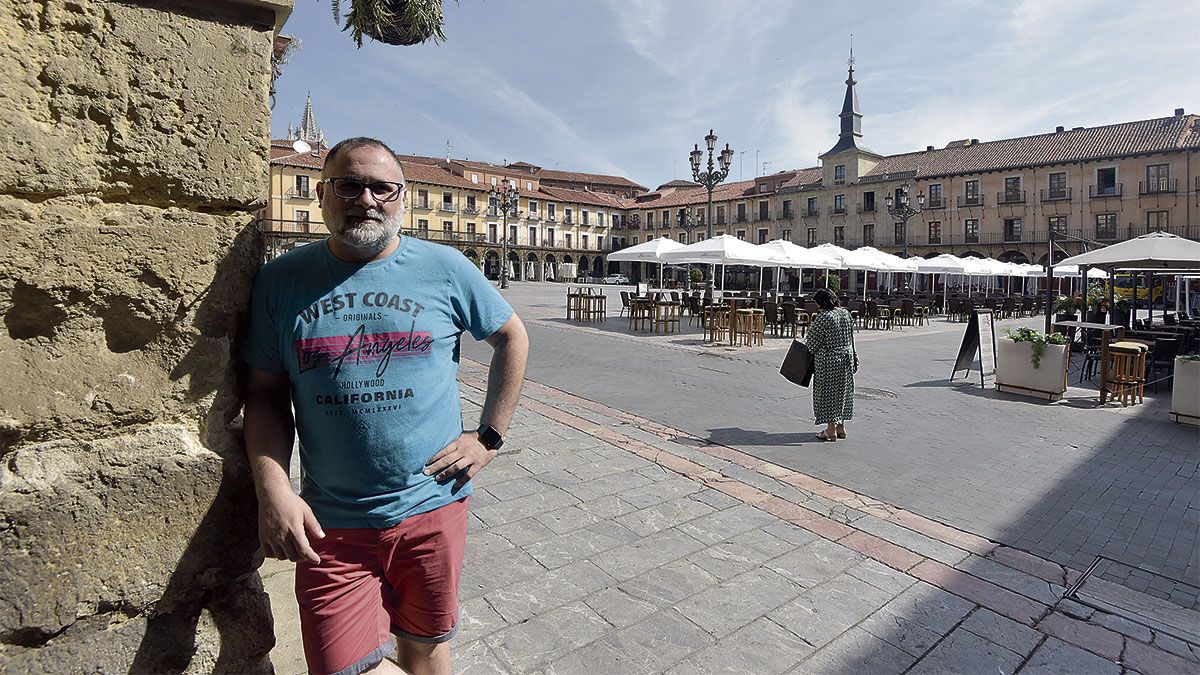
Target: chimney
(1179, 112)
(1059, 129)
(929, 148)
(1076, 128)
(974, 141)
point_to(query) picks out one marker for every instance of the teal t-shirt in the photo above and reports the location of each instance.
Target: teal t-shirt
(372, 353)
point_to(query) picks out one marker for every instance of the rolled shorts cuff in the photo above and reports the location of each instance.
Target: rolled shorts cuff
(437, 639)
(372, 659)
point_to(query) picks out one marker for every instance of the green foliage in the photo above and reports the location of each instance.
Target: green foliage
(1097, 295)
(395, 22)
(831, 280)
(1190, 358)
(697, 275)
(1037, 341)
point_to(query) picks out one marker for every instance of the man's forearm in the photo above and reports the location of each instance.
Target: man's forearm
(506, 374)
(270, 434)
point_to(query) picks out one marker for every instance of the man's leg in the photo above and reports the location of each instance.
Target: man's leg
(420, 658)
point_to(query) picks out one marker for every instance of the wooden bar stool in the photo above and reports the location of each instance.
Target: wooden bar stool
(716, 323)
(640, 310)
(666, 317)
(1127, 371)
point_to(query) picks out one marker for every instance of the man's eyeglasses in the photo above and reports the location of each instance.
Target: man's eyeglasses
(349, 188)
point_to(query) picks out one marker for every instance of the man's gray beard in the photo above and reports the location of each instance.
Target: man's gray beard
(365, 238)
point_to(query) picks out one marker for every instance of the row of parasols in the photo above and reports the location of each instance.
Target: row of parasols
(729, 250)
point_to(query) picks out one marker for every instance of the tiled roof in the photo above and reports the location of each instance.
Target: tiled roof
(582, 197)
(304, 160)
(805, 177)
(419, 172)
(678, 184)
(1112, 140)
(588, 178)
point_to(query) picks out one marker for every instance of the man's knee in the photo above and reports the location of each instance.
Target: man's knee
(423, 657)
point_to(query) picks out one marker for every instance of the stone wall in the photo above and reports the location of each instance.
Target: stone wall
(133, 145)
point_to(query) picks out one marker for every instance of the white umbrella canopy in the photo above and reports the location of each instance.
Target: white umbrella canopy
(1154, 251)
(724, 250)
(873, 260)
(942, 264)
(650, 251)
(799, 256)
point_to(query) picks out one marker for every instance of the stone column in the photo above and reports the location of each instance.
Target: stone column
(133, 153)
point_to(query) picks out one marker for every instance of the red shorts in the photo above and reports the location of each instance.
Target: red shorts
(372, 584)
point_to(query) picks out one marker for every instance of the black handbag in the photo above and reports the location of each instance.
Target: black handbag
(797, 366)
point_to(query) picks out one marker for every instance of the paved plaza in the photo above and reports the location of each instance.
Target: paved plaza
(662, 505)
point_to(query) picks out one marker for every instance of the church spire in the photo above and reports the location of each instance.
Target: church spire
(851, 116)
(308, 131)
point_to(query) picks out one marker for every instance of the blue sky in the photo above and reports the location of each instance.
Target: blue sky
(628, 86)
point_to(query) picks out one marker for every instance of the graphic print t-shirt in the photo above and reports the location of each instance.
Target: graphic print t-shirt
(372, 354)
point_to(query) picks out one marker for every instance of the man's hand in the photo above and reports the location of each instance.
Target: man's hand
(284, 523)
(464, 457)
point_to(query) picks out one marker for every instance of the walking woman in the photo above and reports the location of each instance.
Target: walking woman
(831, 341)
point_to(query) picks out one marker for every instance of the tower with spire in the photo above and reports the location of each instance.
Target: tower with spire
(849, 151)
(308, 132)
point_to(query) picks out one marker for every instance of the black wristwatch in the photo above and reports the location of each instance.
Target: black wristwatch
(491, 439)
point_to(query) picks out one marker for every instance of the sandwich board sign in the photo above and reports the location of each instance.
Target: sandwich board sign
(978, 342)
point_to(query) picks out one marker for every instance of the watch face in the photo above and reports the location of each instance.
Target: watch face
(491, 439)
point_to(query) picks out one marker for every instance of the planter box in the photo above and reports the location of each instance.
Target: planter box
(1185, 392)
(1015, 372)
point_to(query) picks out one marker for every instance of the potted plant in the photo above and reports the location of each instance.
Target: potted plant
(1185, 389)
(1032, 363)
(1065, 308)
(394, 22)
(1097, 303)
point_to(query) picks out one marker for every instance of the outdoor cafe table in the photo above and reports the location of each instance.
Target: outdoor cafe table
(1106, 329)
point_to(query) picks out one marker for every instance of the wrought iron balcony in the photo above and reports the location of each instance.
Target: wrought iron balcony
(1160, 186)
(935, 203)
(423, 206)
(1056, 195)
(1010, 197)
(971, 238)
(471, 210)
(760, 216)
(447, 207)
(741, 218)
(300, 193)
(837, 210)
(812, 213)
(866, 208)
(787, 214)
(1105, 191)
(970, 200)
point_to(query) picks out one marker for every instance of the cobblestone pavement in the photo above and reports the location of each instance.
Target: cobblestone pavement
(643, 521)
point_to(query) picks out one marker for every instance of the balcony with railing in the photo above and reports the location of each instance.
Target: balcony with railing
(1056, 195)
(787, 214)
(866, 208)
(836, 210)
(971, 238)
(1010, 197)
(762, 216)
(300, 193)
(935, 203)
(812, 212)
(447, 207)
(1105, 191)
(970, 200)
(741, 218)
(422, 206)
(551, 218)
(1158, 187)
(471, 210)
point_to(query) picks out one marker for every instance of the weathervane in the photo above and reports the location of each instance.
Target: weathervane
(850, 61)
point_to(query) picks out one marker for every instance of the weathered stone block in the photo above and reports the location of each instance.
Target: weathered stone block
(153, 102)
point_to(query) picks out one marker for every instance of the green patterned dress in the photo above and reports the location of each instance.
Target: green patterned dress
(830, 339)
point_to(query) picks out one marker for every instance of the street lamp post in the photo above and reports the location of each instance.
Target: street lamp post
(687, 223)
(507, 198)
(711, 177)
(901, 210)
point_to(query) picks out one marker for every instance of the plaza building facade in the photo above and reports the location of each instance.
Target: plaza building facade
(1001, 198)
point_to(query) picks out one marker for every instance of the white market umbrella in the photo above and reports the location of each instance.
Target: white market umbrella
(944, 264)
(801, 257)
(724, 250)
(1153, 251)
(649, 251)
(869, 259)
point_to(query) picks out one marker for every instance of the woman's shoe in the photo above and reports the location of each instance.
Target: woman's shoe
(821, 435)
(841, 432)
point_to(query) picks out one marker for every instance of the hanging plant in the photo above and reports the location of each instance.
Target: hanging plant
(395, 22)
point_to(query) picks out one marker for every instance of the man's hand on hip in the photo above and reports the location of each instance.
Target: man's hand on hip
(284, 523)
(464, 458)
